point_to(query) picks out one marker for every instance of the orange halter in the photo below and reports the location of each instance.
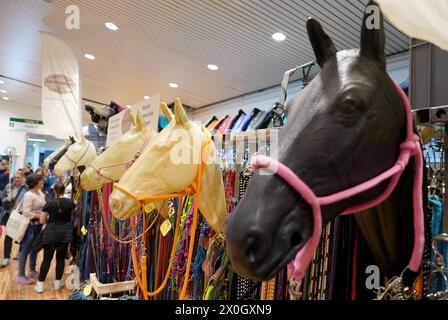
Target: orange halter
(193, 190)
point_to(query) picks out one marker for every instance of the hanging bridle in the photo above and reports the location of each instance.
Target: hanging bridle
(125, 240)
(409, 148)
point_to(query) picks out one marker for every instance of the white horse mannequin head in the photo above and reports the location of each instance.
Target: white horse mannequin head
(112, 163)
(82, 153)
(160, 170)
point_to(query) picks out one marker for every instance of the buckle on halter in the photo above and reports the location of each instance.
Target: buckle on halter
(191, 190)
(412, 144)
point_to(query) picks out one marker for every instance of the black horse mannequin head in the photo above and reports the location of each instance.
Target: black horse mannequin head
(100, 114)
(343, 129)
(56, 158)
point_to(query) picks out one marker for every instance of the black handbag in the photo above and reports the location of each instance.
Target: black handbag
(57, 233)
(37, 244)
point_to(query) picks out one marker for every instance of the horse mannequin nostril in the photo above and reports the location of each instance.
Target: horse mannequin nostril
(257, 247)
(116, 205)
(296, 239)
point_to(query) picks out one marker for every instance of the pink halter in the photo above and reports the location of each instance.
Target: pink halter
(411, 147)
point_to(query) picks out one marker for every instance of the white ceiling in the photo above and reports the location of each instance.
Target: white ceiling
(163, 41)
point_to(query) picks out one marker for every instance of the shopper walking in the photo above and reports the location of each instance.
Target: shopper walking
(33, 203)
(57, 235)
(11, 197)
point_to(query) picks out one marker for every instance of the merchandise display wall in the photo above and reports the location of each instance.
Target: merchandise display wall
(397, 66)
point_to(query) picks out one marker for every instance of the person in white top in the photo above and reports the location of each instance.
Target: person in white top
(33, 203)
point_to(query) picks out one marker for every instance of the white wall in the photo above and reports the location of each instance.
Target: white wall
(17, 139)
(398, 68)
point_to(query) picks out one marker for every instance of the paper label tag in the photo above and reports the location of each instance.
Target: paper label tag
(165, 227)
(84, 230)
(88, 290)
(149, 207)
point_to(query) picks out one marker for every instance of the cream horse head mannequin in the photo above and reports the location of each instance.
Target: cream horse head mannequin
(82, 153)
(159, 172)
(113, 162)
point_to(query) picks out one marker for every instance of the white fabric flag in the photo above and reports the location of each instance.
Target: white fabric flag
(61, 89)
(423, 19)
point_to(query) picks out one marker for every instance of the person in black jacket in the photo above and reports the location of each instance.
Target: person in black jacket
(57, 235)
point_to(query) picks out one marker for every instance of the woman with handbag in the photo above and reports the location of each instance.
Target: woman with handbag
(56, 236)
(33, 203)
(11, 198)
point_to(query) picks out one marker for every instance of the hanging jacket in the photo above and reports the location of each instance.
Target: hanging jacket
(221, 122)
(248, 119)
(255, 122)
(225, 126)
(163, 122)
(211, 122)
(265, 121)
(236, 119)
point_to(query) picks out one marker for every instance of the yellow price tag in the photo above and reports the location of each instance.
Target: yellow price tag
(149, 207)
(84, 230)
(88, 290)
(165, 227)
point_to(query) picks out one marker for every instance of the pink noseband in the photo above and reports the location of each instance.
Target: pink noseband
(409, 148)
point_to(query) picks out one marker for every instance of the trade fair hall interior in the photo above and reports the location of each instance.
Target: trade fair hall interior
(232, 150)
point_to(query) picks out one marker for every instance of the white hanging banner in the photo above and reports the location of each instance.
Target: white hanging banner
(421, 19)
(61, 89)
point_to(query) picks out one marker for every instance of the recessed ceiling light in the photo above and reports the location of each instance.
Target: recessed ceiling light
(3, 91)
(147, 97)
(278, 36)
(213, 67)
(2, 82)
(173, 85)
(5, 98)
(111, 26)
(128, 106)
(89, 56)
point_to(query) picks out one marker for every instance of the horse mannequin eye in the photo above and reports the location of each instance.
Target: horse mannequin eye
(351, 105)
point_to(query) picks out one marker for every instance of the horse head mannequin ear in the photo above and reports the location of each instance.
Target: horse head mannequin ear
(165, 110)
(179, 113)
(373, 39)
(141, 126)
(323, 46)
(132, 117)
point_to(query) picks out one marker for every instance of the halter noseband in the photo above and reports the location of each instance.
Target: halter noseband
(79, 160)
(127, 164)
(409, 148)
